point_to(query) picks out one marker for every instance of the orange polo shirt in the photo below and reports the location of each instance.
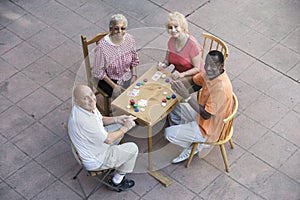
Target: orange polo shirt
(216, 98)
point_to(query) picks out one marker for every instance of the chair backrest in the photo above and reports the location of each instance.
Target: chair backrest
(227, 126)
(85, 48)
(211, 42)
(79, 159)
(74, 150)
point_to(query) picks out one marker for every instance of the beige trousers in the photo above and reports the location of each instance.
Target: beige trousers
(121, 157)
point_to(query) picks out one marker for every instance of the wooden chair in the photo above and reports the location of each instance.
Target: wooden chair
(92, 83)
(101, 176)
(225, 131)
(211, 42)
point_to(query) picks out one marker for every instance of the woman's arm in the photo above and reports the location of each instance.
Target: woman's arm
(165, 63)
(98, 69)
(196, 66)
(134, 74)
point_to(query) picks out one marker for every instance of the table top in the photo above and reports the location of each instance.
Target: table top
(148, 92)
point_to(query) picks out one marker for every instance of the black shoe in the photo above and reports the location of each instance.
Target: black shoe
(123, 186)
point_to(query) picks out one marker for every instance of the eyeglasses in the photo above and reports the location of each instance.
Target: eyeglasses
(119, 28)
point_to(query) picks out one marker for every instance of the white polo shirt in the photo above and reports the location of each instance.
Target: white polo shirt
(87, 133)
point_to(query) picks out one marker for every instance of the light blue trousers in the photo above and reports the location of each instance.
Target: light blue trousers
(184, 129)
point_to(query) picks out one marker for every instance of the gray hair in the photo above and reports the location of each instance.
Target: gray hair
(115, 18)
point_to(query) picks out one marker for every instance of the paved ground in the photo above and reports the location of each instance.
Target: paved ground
(40, 54)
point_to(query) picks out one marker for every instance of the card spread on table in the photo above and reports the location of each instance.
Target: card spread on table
(142, 102)
(157, 75)
(133, 93)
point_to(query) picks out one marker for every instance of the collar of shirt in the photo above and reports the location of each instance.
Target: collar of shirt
(107, 39)
(86, 112)
(217, 79)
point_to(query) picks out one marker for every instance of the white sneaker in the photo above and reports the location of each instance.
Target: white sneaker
(205, 146)
(185, 154)
(202, 146)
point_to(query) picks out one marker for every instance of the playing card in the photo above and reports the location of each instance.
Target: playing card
(157, 75)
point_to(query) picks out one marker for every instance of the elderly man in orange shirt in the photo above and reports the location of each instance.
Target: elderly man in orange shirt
(199, 120)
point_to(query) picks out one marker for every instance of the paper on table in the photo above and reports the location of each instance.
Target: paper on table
(170, 68)
(142, 102)
(133, 93)
(157, 75)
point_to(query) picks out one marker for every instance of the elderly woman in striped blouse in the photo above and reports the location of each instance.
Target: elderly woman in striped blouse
(116, 58)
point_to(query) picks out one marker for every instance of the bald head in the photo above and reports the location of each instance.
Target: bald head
(84, 97)
(79, 90)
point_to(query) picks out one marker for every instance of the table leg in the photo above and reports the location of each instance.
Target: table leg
(156, 174)
(150, 166)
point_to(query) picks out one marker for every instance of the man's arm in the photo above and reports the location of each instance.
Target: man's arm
(181, 87)
(198, 108)
(113, 136)
(121, 119)
(108, 120)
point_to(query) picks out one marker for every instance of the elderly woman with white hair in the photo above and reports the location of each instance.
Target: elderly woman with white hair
(184, 51)
(116, 58)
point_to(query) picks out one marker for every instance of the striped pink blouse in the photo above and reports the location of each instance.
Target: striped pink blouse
(115, 61)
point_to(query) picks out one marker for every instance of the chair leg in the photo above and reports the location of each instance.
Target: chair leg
(74, 177)
(231, 143)
(93, 191)
(106, 106)
(101, 110)
(195, 145)
(79, 182)
(102, 181)
(224, 157)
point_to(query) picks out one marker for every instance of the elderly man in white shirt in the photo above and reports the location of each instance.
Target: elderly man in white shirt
(96, 138)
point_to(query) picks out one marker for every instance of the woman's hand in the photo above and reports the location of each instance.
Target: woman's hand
(133, 79)
(177, 75)
(161, 66)
(118, 90)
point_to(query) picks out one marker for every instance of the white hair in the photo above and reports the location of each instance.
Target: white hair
(115, 18)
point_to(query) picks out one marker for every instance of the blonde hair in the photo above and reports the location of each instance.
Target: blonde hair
(115, 18)
(180, 18)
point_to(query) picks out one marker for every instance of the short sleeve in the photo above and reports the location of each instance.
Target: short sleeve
(135, 59)
(195, 50)
(195, 47)
(198, 79)
(171, 45)
(98, 70)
